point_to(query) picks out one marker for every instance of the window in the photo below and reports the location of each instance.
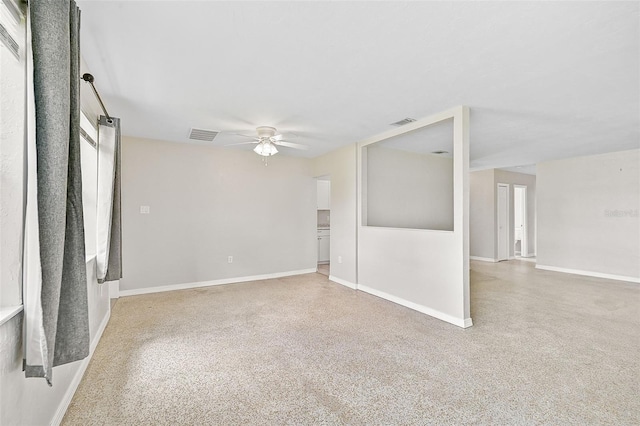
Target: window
(12, 144)
(89, 165)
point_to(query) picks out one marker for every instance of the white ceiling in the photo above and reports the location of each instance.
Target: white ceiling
(424, 140)
(543, 80)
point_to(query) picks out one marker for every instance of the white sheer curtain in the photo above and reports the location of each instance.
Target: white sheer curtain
(106, 172)
(35, 345)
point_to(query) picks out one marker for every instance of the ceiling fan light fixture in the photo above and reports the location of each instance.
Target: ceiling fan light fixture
(265, 148)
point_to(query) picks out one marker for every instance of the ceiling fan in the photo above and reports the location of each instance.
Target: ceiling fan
(267, 140)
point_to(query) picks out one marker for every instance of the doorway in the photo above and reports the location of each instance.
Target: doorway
(324, 224)
(503, 222)
(520, 231)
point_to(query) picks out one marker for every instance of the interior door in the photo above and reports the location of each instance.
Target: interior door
(503, 222)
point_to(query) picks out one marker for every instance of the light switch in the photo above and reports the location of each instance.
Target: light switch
(145, 209)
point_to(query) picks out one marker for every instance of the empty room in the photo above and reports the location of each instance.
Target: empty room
(319, 212)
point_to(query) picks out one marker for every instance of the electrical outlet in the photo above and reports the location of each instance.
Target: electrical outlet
(339, 259)
(145, 209)
(230, 259)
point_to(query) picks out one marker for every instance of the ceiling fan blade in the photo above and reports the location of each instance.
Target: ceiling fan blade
(242, 143)
(291, 145)
(277, 137)
(246, 136)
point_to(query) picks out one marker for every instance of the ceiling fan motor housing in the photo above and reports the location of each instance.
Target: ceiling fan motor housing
(266, 131)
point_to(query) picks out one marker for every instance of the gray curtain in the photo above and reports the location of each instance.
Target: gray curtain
(56, 79)
(114, 258)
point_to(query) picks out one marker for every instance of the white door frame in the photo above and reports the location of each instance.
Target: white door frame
(524, 244)
(507, 238)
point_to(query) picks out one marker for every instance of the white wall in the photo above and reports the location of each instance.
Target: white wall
(208, 203)
(588, 214)
(408, 190)
(482, 214)
(341, 166)
(423, 269)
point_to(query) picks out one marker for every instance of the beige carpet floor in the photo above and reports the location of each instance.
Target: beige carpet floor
(323, 268)
(546, 348)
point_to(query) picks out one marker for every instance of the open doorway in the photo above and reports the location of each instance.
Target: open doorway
(503, 222)
(520, 231)
(324, 224)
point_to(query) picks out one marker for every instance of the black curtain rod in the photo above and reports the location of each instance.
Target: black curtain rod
(89, 79)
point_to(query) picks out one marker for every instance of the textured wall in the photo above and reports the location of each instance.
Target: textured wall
(482, 211)
(408, 190)
(208, 203)
(588, 216)
(341, 166)
(427, 270)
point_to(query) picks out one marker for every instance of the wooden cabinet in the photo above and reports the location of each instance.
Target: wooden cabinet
(323, 246)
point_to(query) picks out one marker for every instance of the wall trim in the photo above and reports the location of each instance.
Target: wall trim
(186, 286)
(464, 323)
(589, 273)
(77, 378)
(343, 282)
(482, 259)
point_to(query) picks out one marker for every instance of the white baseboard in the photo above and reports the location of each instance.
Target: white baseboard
(187, 286)
(343, 282)
(77, 378)
(589, 273)
(527, 259)
(482, 259)
(464, 323)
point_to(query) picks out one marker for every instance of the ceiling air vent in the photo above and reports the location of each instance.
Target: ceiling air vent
(403, 121)
(202, 135)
